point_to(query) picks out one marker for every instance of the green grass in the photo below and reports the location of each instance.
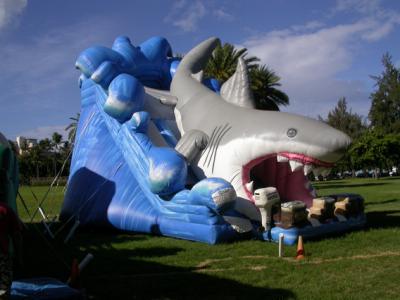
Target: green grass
(359, 265)
(34, 195)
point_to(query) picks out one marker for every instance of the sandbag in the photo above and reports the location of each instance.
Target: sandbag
(322, 208)
(293, 213)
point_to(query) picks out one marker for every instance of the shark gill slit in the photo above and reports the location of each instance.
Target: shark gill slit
(211, 143)
(207, 149)
(218, 134)
(216, 148)
(216, 144)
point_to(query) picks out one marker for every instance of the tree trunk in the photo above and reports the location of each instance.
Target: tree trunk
(54, 166)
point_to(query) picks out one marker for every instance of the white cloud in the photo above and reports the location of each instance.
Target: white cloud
(222, 14)
(308, 26)
(38, 80)
(310, 58)
(360, 6)
(49, 63)
(44, 132)
(385, 19)
(306, 56)
(9, 9)
(186, 15)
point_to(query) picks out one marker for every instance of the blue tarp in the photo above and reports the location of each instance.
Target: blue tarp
(43, 289)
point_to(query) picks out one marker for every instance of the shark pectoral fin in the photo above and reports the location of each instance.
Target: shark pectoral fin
(191, 144)
(165, 97)
(105, 73)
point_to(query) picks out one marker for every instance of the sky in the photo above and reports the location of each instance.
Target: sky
(322, 50)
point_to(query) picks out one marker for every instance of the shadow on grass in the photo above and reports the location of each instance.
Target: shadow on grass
(123, 271)
(329, 182)
(383, 219)
(382, 202)
(334, 185)
(390, 178)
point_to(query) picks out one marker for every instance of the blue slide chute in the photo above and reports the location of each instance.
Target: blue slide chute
(122, 175)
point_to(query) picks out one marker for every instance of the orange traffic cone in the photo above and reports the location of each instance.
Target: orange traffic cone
(74, 280)
(300, 248)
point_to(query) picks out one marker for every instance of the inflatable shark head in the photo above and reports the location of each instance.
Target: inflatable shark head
(251, 148)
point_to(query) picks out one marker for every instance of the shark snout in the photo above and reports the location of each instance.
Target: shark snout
(329, 144)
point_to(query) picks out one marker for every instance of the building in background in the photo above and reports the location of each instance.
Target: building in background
(24, 144)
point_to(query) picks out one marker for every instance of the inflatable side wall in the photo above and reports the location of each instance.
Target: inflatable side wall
(8, 174)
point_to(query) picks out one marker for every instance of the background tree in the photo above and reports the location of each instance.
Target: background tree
(385, 108)
(72, 127)
(376, 150)
(345, 120)
(45, 159)
(45, 156)
(56, 140)
(35, 160)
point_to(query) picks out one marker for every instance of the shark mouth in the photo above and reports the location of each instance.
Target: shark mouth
(285, 171)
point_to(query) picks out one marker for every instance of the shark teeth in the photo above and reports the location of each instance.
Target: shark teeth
(250, 186)
(295, 165)
(317, 171)
(325, 172)
(280, 158)
(321, 171)
(307, 169)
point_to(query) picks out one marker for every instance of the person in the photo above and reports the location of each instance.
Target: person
(10, 228)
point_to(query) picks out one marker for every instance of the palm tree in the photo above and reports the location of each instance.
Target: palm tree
(43, 152)
(35, 158)
(222, 63)
(263, 84)
(72, 127)
(56, 140)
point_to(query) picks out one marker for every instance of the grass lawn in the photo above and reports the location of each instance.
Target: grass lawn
(359, 265)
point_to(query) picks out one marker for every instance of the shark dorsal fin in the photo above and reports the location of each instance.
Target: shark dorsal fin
(198, 76)
(236, 89)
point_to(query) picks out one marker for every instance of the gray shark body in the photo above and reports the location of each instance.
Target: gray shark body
(251, 148)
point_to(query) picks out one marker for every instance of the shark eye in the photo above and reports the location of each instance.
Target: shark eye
(291, 132)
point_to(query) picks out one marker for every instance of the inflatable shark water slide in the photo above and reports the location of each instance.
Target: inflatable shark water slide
(160, 149)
